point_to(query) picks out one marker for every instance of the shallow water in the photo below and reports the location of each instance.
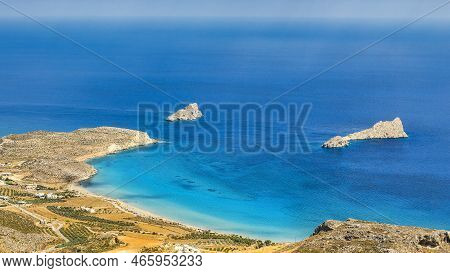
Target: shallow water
(48, 83)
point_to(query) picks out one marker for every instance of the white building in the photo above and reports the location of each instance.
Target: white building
(52, 196)
(30, 186)
(186, 249)
(6, 198)
(40, 195)
(90, 210)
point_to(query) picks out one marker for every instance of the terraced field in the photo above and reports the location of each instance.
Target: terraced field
(12, 192)
(103, 224)
(81, 239)
(18, 222)
(212, 238)
(49, 231)
(76, 233)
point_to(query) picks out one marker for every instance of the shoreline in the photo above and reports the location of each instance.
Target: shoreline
(77, 186)
(140, 212)
(126, 207)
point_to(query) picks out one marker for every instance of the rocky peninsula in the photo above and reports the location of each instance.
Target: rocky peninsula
(381, 129)
(190, 112)
(60, 157)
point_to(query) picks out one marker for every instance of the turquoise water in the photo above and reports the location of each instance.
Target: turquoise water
(48, 83)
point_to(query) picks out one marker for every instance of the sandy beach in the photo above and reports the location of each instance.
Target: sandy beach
(125, 207)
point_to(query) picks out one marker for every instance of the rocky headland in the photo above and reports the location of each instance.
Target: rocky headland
(60, 157)
(381, 129)
(190, 112)
(356, 236)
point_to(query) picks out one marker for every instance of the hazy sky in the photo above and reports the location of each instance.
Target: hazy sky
(352, 9)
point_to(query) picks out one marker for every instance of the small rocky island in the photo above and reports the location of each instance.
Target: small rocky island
(381, 129)
(190, 112)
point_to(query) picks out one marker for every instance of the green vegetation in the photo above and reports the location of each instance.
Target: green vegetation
(12, 192)
(225, 249)
(76, 234)
(69, 194)
(81, 239)
(43, 201)
(10, 182)
(91, 220)
(17, 222)
(40, 187)
(232, 239)
(49, 231)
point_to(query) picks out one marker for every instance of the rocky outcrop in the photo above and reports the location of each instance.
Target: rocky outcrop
(13, 241)
(190, 112)
(361, 236)
(336, 142)
(381, 129)
(327, 226)
(59, 157)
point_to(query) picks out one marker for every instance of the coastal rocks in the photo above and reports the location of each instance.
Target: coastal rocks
(435, 239)
(190, 112)
(336, 142)
(327, 226)
(381, 129)
(352, 236)
(59, 157)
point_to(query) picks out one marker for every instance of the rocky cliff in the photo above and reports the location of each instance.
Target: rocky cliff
(381, 129)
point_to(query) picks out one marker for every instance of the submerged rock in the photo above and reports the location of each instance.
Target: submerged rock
(190, 112)
(381, 129)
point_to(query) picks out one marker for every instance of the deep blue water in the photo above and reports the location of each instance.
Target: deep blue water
(49, 83)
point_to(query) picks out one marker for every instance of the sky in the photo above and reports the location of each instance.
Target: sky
(327, 9)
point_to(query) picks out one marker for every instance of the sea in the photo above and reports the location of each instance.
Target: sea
(61, 75)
